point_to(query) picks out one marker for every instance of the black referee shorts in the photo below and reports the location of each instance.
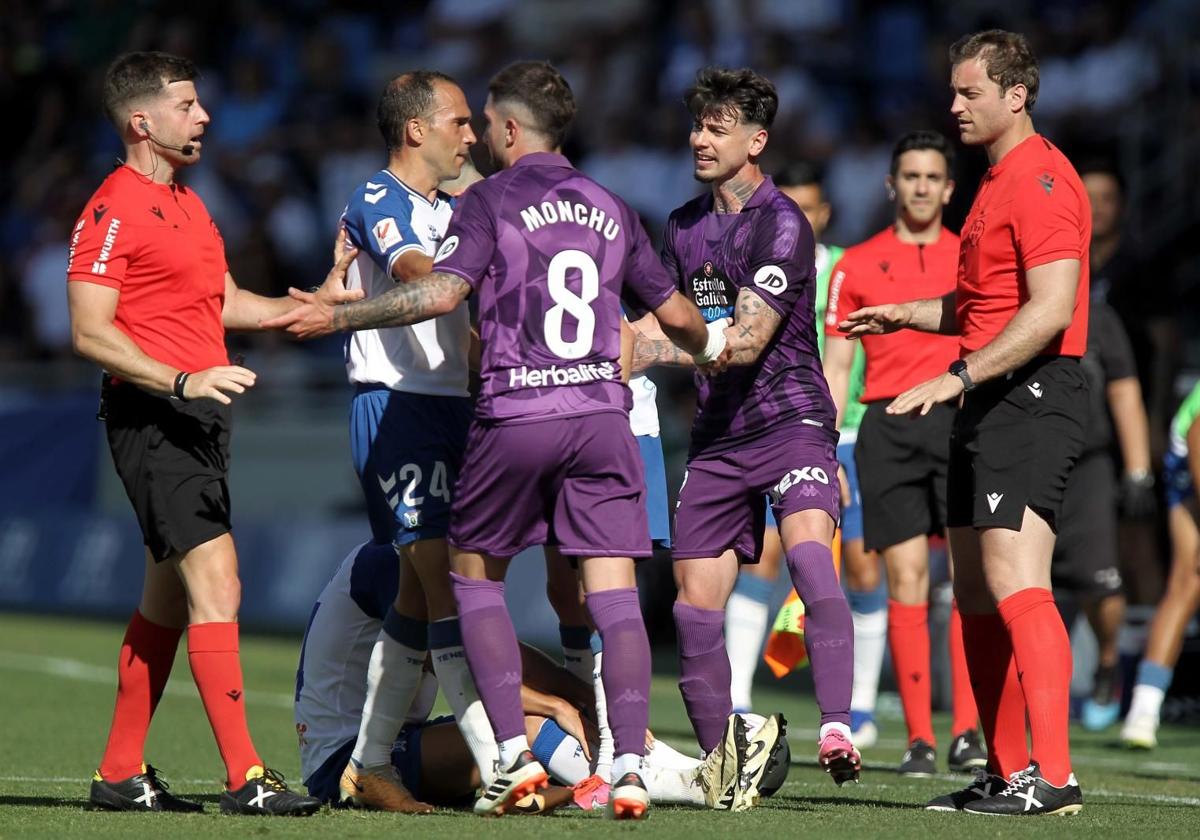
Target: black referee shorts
(1085, 553)
(173, 458)
(1014, 443)
(902, 462)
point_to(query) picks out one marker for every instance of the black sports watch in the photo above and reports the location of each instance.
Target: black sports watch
(959, 368)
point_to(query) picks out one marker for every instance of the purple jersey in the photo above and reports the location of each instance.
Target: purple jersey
(551, 255)
(769, 249)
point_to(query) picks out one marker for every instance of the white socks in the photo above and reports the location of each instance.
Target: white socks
(870, 642)
(510, 749)
(393, 676)
(604, 755)
(454, 677)
(1146, 703)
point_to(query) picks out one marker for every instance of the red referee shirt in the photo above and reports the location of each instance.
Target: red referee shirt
(885, 270)
(157, 245)
(1031, 209)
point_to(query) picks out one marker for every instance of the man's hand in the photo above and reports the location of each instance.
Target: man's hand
(333, 290)
(919, 399)
(313, 318)
(876, 320)
(578, 727)
(216, 382)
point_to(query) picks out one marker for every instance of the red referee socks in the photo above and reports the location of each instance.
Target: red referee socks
(908, 638)
(147, 654)
(1042, 651)
(217, 669)
(966, 715)
(1001, 704)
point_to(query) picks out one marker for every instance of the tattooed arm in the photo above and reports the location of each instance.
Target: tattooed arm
(652, 347)
(418, 300)
(754, 322)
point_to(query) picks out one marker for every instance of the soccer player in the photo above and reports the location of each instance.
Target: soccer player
(1020, 310)
(430, 754)
(1085, 571)
(901, 462)
(1181, 470)
(408, 426)
(765, 425)
(150, 298)
(550, 457)
(746, 615)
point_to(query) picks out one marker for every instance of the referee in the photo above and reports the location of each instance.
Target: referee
(902, 464)
(1020, 310)
(150, 298)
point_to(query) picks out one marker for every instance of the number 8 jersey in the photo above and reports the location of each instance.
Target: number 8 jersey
(551, 256)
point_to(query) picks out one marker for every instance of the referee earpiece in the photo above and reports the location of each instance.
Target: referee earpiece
(891, 192)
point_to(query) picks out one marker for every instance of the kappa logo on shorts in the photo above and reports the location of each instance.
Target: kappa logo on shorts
(795, 478)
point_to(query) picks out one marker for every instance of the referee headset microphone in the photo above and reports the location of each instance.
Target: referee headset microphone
(186, 149)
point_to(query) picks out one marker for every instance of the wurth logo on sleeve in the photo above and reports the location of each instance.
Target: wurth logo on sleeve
(100, 266)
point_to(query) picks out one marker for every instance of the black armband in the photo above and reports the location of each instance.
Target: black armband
(181, 379)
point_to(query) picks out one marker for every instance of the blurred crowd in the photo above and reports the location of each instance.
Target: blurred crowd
(292, 86)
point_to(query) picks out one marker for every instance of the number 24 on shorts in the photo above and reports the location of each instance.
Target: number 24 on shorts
(404, 484)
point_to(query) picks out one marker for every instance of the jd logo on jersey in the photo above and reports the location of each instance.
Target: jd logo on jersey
(771, 278)
(712, 291)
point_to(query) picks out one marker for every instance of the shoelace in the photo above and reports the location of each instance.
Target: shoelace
(273, 779)
(1017, 781)
(156, 781)
(589, 787)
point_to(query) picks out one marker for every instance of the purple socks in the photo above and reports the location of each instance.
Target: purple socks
(704, 671)
(828, 628)
(490, 643)
(626, 666)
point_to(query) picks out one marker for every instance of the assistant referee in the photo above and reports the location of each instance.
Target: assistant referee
(150, 298)
(1020, 310)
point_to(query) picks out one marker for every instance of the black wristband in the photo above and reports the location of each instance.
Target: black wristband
(181, 379)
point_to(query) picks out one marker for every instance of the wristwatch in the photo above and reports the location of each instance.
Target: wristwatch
(959, 368)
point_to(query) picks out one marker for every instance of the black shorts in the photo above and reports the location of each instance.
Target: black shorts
(1085, 553)
(173, 458)
(902, 464)
(1014, 443)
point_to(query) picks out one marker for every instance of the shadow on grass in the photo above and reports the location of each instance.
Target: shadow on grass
(806, 803)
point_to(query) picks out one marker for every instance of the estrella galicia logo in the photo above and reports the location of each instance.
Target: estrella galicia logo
(712, 291)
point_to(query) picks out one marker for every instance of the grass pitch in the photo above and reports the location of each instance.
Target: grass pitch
(57, 681)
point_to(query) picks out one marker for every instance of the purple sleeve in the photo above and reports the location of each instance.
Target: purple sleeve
(647, 284)
(669, 260)
(470, 241)
(782, 258)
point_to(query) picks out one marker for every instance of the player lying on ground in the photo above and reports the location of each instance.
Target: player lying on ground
(430, 755)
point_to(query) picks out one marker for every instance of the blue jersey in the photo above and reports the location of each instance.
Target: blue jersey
(384, 220)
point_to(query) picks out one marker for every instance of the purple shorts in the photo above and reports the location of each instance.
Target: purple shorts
(722, 503)
(576, 483)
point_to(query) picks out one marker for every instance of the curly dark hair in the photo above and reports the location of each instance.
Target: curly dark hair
(1007, 57)
(137, 75)
(744, 93)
